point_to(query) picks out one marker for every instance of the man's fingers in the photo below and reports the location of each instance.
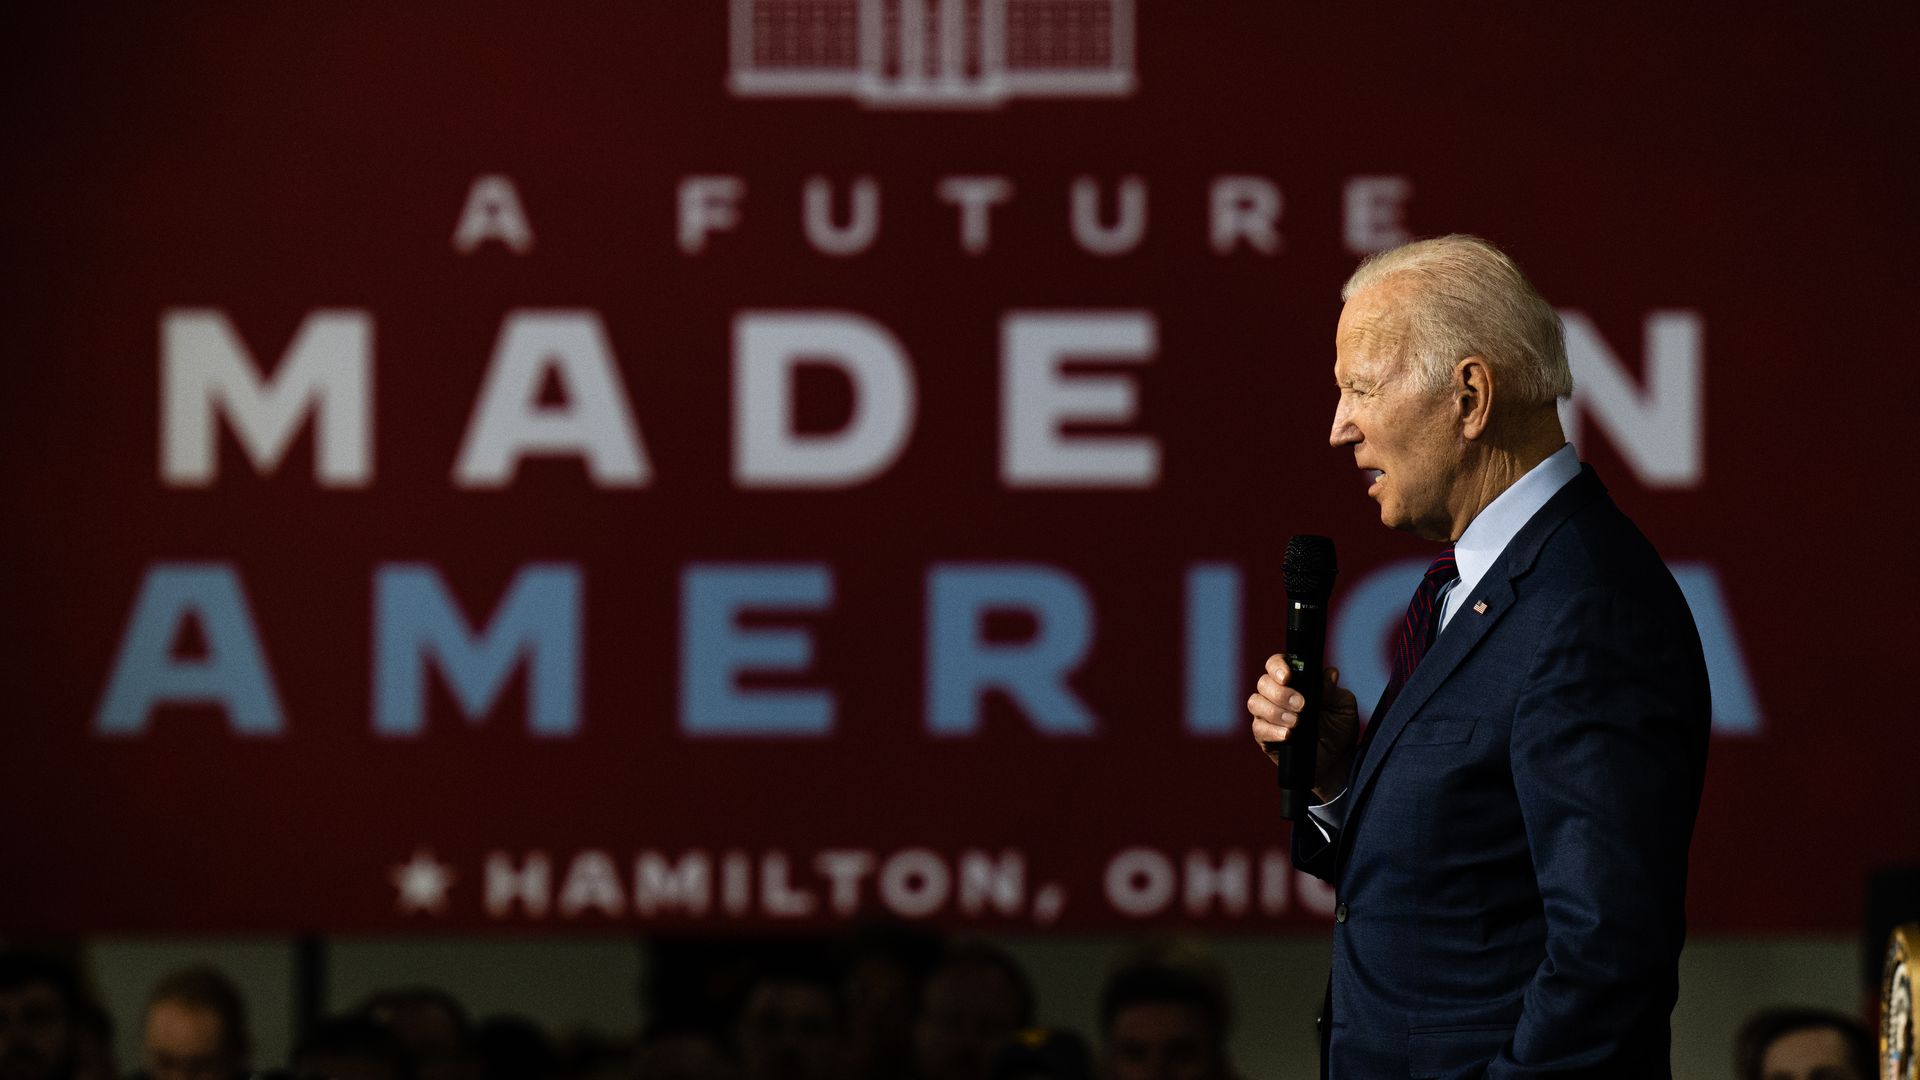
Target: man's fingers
(1263, 708)
(1265, 732)
(1269, 723)
(1276, 707)
(1276, 692)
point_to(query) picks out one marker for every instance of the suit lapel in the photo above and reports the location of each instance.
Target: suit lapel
(1465, 630)
(1454, 644)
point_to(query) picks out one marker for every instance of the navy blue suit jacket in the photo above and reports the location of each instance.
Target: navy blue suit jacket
(1512, 868)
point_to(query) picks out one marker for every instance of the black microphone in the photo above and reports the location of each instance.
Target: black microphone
(1310, 568)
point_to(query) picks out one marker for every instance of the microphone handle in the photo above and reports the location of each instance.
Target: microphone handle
(1306, 652)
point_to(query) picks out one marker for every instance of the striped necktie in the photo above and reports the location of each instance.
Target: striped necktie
(1417, 630)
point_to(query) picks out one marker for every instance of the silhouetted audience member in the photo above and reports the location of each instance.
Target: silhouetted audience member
(1802, 1044)
(1162, 1020)
(1042, 1054)
(974, 1000)
(885, 965)
(515, 1048)
(790, 1028)
(703, 983)
(38, 998)
(351, 1048)
(591, 1056)
(93, 1042)
(195, 1028)
(434, 1027)
(681, 1052)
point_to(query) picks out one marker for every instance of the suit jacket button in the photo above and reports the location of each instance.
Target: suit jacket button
(1340, 913)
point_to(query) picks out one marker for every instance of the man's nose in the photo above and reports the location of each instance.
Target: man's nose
(1343, 431)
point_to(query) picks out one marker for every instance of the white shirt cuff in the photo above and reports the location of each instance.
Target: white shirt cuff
(1329, 815)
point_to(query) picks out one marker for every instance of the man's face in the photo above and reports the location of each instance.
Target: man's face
(186, 1042)
(881, 1009)
(1808, 1054)
(432, 1036)
(970, 1009)
(1161, 1041)
(789, 1031)
(1406, 438)
(35, 1034)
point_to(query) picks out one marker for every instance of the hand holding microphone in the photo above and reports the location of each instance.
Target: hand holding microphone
(1293, 698)
(1276, 707)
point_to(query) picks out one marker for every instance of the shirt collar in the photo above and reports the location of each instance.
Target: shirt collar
(1493, 528)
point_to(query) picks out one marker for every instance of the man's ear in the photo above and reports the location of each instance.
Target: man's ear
(1473, 395)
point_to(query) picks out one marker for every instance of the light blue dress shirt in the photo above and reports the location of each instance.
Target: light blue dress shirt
(1489, 533)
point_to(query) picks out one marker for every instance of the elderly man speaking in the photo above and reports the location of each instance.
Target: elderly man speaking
(1508, 843)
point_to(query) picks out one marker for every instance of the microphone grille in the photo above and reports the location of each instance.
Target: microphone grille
(1310, 567)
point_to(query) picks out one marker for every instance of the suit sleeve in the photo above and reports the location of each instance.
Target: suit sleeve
(1608, 752)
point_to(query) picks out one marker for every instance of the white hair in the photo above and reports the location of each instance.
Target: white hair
(1469, 299)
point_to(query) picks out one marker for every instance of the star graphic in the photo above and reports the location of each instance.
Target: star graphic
(423, 883)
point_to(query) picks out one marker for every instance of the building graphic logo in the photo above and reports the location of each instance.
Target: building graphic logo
(963, 54)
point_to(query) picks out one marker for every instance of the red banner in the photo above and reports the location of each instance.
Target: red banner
(705, 466)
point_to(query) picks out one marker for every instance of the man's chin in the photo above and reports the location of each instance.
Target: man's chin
(1428, 530)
